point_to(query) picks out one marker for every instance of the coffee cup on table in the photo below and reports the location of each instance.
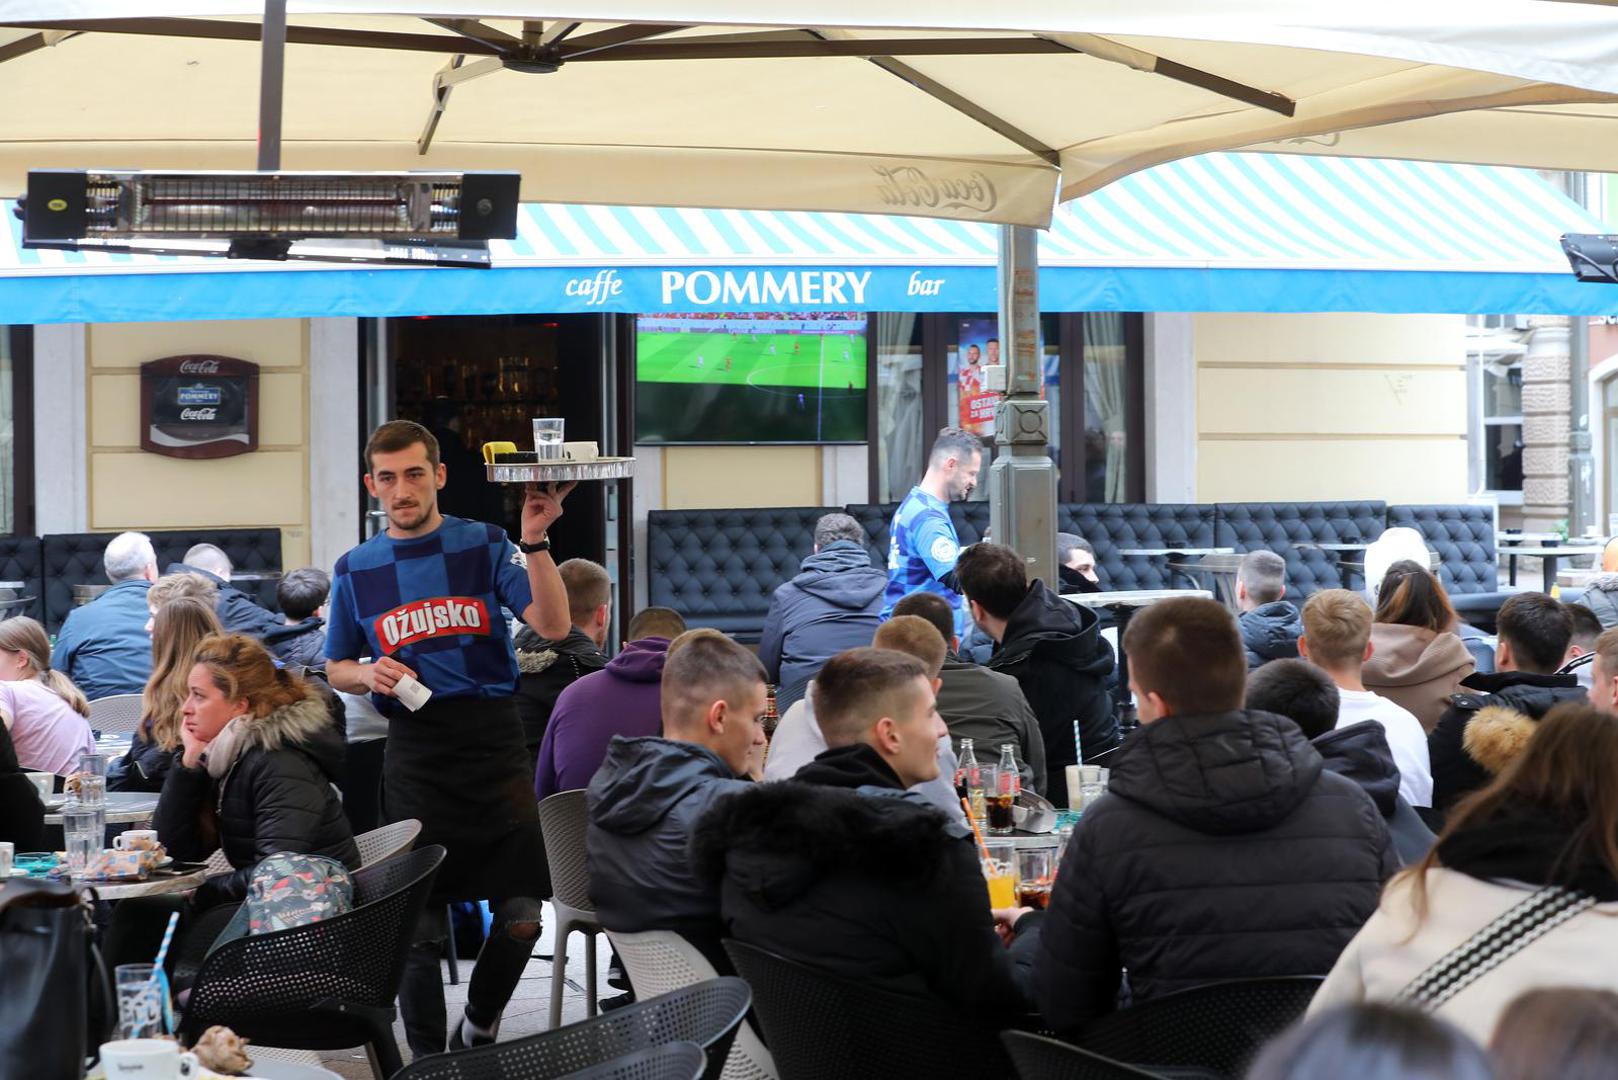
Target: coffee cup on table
(148, 1059)
(136, 840)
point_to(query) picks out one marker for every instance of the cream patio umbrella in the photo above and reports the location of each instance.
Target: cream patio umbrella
(983, 111)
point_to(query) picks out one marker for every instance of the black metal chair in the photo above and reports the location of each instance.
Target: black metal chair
(676, 1061)
(824, 1027)
(329, 985)
(1039, 1057)
(1218, 1027)
(705, 1014)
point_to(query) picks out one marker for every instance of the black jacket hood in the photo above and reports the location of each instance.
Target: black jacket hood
(292, 630)
(1361, 753)
(643, 778)
(778, 840)
(1058, 630)
(841, 574)
(1271, 631)
(1222, 773)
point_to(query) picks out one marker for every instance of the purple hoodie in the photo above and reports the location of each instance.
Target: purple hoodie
(620, 699)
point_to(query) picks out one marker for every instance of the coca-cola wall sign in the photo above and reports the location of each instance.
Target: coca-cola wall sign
(199, 406)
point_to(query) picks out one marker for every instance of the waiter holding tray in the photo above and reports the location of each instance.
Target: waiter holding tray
(422, 601)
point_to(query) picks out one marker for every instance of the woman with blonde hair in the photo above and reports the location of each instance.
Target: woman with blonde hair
(1519, 892)
(45, 713)
(259, 755)
(179, 625)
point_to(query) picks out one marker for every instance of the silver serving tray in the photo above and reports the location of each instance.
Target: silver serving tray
(561, 471)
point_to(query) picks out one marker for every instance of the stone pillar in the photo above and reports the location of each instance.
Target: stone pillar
(1545, 404)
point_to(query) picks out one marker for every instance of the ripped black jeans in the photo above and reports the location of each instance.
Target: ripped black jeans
(494, 978)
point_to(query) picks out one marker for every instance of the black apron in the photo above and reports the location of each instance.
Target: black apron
(459, 767)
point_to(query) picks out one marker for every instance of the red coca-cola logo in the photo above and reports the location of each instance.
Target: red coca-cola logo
(200, 366)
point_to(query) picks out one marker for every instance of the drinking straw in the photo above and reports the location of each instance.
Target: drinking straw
(159, 977)
(972, 821)
(163, 949)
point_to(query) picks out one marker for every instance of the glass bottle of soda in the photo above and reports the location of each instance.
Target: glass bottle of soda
(969, 781)
(1007, 786)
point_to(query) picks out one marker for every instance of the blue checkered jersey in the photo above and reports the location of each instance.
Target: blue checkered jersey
(922, 548)
(432, 603)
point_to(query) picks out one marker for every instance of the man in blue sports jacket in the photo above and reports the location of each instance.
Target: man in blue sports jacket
(922, 544)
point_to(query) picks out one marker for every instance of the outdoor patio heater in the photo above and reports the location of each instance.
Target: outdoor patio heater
(420, 218)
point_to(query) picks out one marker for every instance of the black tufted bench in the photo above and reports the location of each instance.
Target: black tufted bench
(719, 568)
(70, 559)
(1281, 526)
(22, 560)
(1463, 536)
(1112, 527)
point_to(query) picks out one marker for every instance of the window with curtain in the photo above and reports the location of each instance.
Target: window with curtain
(1106, 408)
(899, 427)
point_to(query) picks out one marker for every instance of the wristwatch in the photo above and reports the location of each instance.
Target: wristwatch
(542, 544)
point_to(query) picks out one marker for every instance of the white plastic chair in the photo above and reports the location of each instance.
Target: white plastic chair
(561, 821)
(659, 961)
(388, 841)
(118, 714)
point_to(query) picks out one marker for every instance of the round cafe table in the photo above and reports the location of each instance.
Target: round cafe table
(123, 808)
(157, 884)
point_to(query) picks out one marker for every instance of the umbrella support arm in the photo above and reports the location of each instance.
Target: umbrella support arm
(1022, 480)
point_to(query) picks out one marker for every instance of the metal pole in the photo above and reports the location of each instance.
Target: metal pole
(1581, 505)
(1022, 480)
(271, 78)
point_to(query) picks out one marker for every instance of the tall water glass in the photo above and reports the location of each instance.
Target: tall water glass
(140, 1001)
(92, 778)
(548, 438)
(84, 829)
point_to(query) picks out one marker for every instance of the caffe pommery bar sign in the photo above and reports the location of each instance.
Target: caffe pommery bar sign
(199, 406)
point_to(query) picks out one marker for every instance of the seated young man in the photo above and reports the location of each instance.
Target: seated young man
(1223, 848)
(1484, 729)
(1304, 694)
(645, 800)
(1337, 639)
(1270, 625)
(844, 869)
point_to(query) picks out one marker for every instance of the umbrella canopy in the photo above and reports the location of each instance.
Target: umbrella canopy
(985, 112)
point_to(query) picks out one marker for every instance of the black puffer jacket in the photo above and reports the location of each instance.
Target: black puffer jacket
(302, 644)
(144, 766)
(1055, 651)
(237, 612)
(548, 668)
(273, 794)
(22, 815)
(1270, 632)
(1465, 760)
(1361, 753)
(840, 869)
(1222, 850)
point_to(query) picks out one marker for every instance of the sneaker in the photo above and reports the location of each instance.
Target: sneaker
(617, 1001)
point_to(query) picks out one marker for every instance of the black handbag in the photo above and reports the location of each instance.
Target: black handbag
(56, 1009)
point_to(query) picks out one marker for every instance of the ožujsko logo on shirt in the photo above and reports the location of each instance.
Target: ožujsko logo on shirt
(442, 616)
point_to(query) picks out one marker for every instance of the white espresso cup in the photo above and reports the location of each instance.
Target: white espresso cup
(136, 840)
(44, 783)
(148, 1059)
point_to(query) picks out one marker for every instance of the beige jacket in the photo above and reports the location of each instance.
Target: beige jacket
(1417, 669)
(1390, 951)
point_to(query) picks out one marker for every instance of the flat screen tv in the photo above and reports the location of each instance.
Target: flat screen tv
(758, 378)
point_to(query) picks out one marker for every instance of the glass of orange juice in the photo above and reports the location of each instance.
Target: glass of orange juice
(1000, 869)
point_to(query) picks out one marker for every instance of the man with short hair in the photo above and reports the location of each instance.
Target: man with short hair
(420, 604)
(1603, 692)
(845, 869)
(922, 542)
(1269, 624)
(549, 667)
(645, 800)
(622, 699)
(798, 739)
(1076, 564)
(1337, 639)
(238, 614)
(1581, 647)
(103, 646)
(301, 595)
(1485, 727)
(1223, 849)
(1053, 649)
(1306, 695)
(833, 603)
(985, 706)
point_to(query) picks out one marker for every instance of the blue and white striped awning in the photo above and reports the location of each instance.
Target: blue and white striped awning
(1222, 232)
